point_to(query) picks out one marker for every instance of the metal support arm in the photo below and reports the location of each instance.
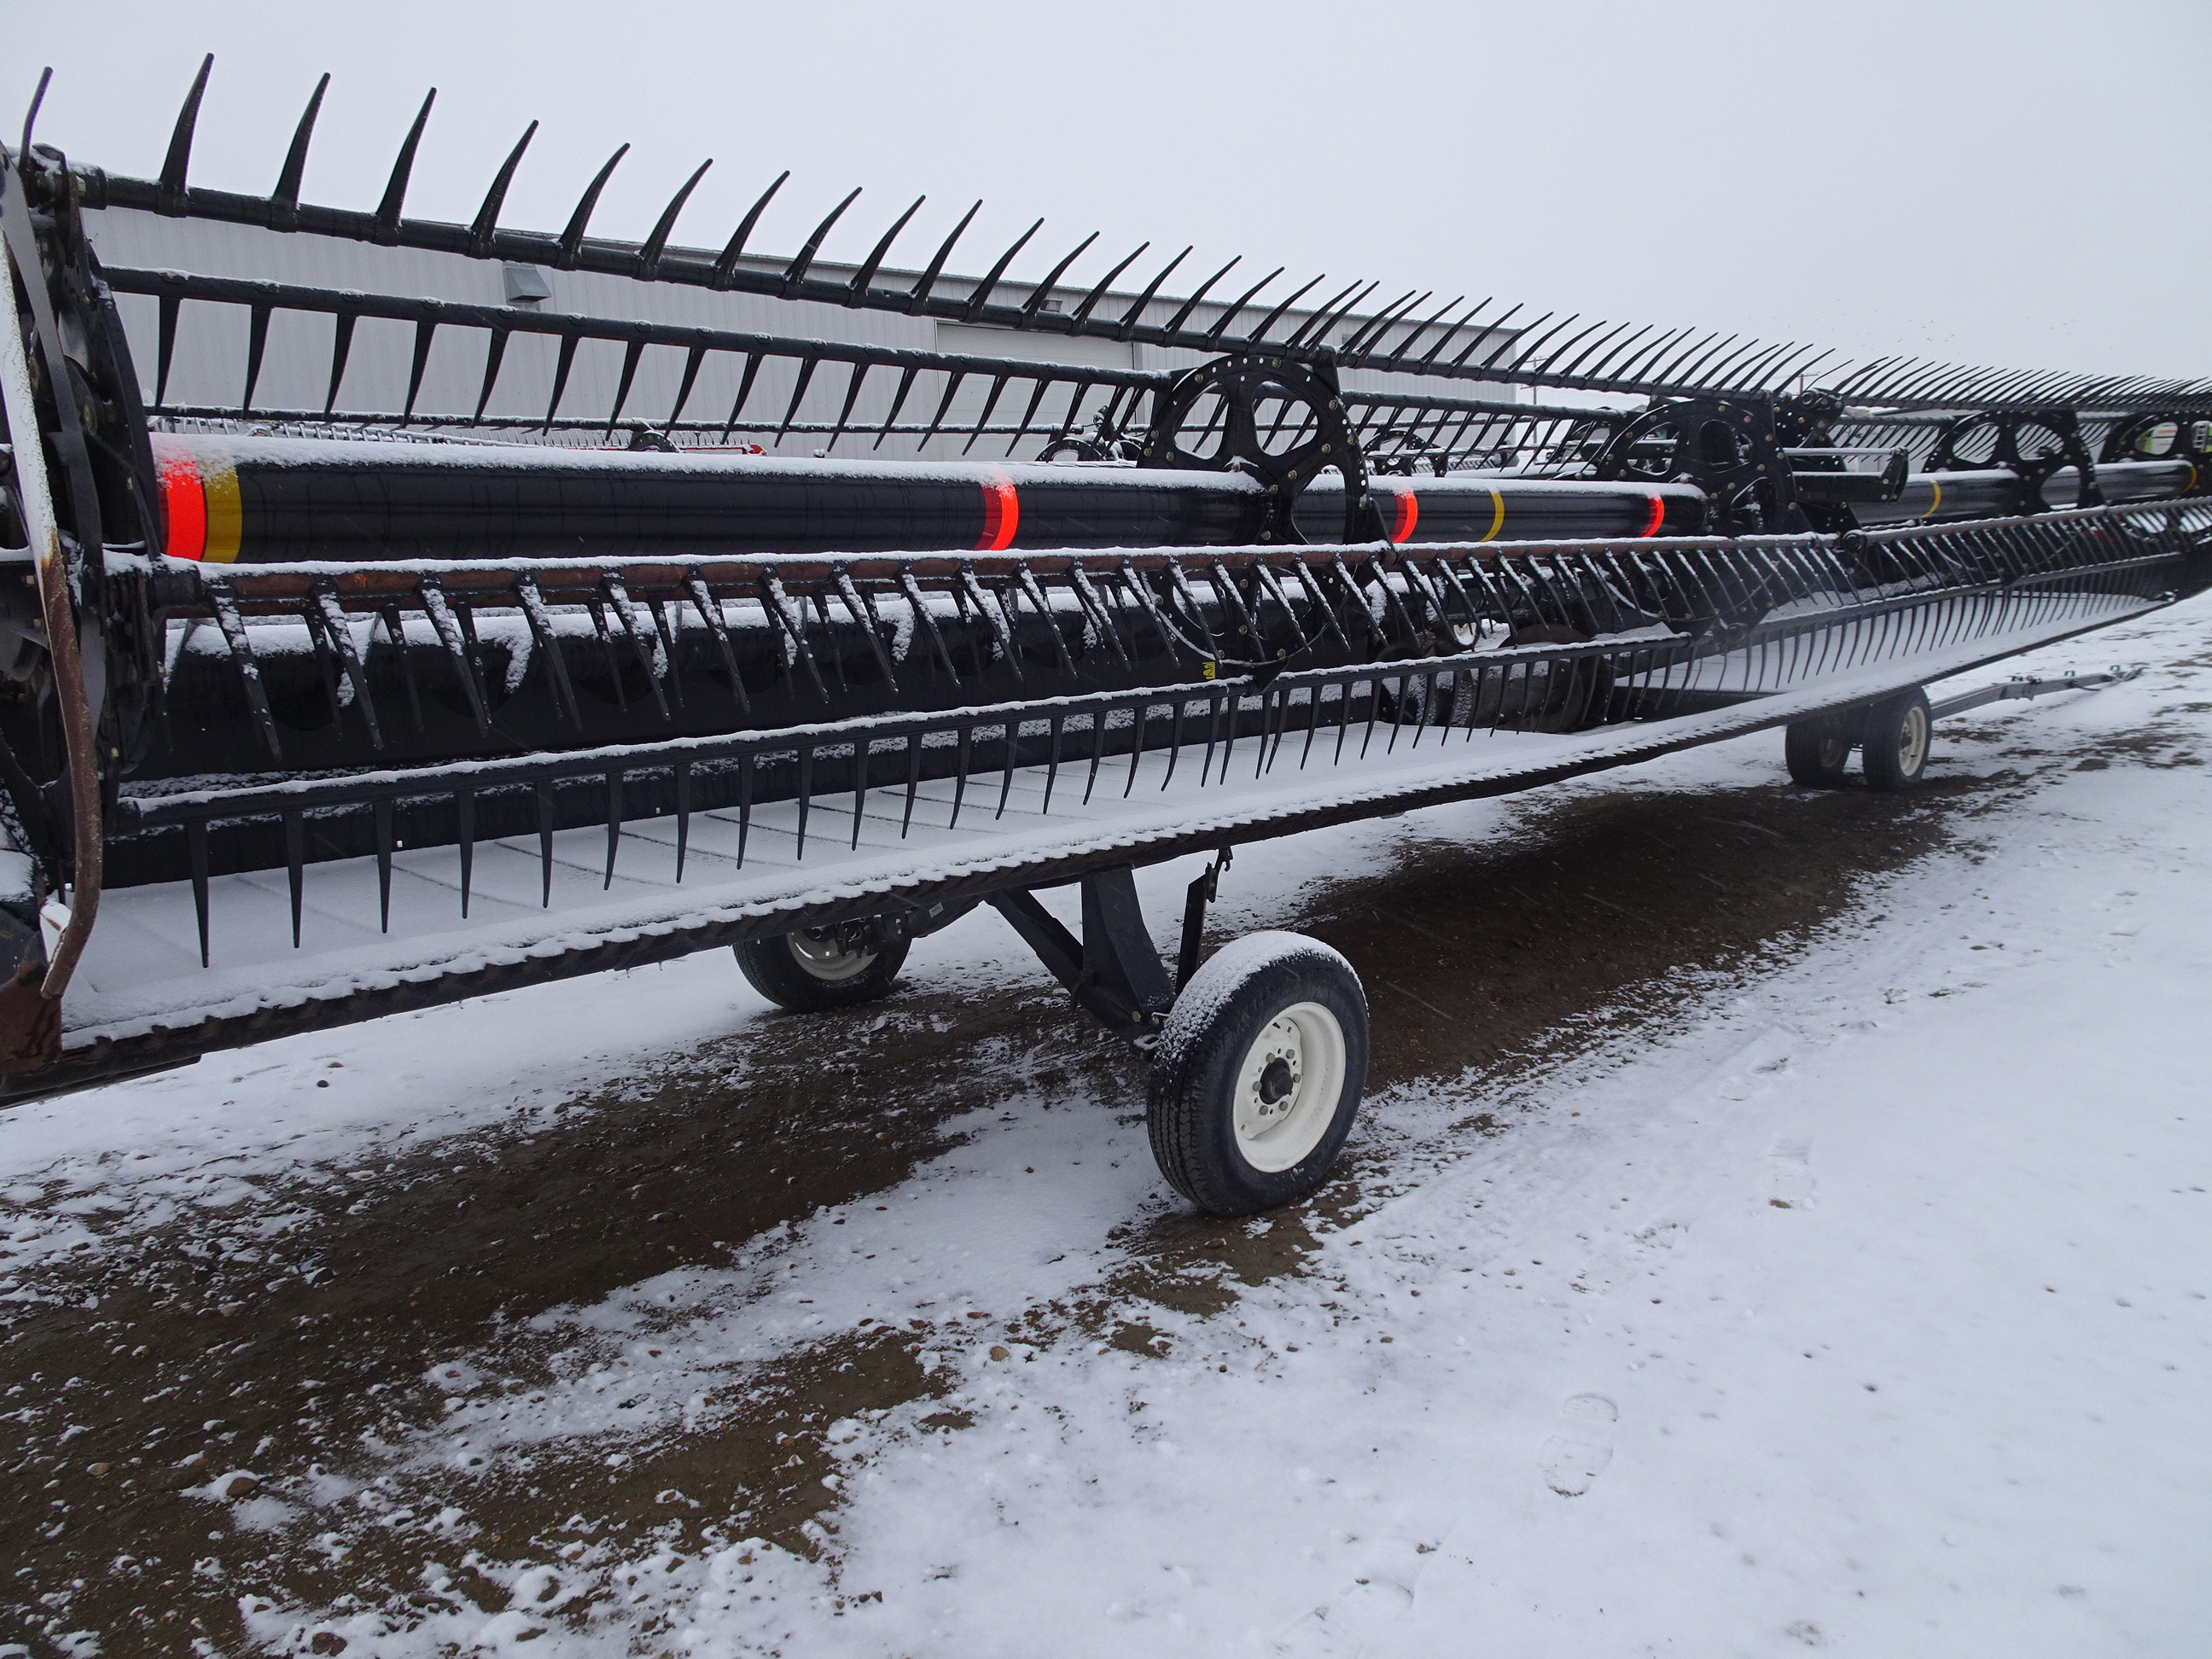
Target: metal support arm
(1113, 973)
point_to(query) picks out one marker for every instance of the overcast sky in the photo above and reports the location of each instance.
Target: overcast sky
(2001, 181)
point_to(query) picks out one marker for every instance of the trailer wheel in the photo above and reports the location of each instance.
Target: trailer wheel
(1817, 753)
(1256, 1078)
(813, 970)
(1895, 735)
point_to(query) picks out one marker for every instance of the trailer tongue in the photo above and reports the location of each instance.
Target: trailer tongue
(372, 687)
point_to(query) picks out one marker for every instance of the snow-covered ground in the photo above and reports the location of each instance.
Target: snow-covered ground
(1856, 1303)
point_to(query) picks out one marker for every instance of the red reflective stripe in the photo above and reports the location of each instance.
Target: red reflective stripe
(1409, 515)
(1658, 517)
(1002, 514)
(184, 498)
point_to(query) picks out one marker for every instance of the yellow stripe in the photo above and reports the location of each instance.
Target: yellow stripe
(1934, 507)
(1496, 515)
(226, 517)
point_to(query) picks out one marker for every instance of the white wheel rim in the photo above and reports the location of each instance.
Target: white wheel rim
(1913, 740)
(820, 957)
(1289, 1086)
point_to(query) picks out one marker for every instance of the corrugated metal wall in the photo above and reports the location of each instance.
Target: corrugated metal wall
(208, 366)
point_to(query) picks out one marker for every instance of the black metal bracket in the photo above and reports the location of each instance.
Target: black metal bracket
(1729, 447)
(1301, 406)
(1113, 973)
(1200, 893)
(2054, 436)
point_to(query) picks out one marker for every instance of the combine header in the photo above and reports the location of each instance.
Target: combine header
(370, 646)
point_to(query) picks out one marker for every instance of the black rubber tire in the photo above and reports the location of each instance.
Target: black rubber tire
(1217, 1020)
(772, 968)
(1894, 736)
(1818, 753)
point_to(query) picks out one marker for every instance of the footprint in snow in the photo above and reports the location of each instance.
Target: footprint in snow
(1572, 1459)
(1790, 1176)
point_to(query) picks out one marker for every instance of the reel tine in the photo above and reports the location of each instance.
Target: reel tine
(982, 296)
(998, 390)
(795, 272)
(1044, 383)
(395, 628)
(257, 343)
(1136, 312)
(1081, 314)
(744, 391)
(710, 613)
(865, 618)
(744, 804)
(1035, 595)
(899, 402)
(494, 355)
(1274, 590)
(249, 671)
(1236, 307)
(726, 263)
(626, 608)
(395, 189)
(858, 290)
(614, 825)
(179, 160)
(806, 795)
(919, 294)
(1031, 306)
(806, 367)
(952, 391)
(1175, 323)
(485, 226)
(571, 246)
(1374, 327)
(649, 257)
(566, 361)
(994, 617)
(1320, 312)
(682, 815)
(1256, 336)
(794, 625)
(380, 816)
(1320, 604)
(165, 348)
(544, 794)
(693, 360)
(464, 823)
(325, 598)
(631, 354)
(341, 348)
(38, 97)
(286, 197)
(924, 620)
(425, 331)
(1088, 596)
(548, 643)
(196, 853)
(295, 866)
(440, 612)
(859, 373)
